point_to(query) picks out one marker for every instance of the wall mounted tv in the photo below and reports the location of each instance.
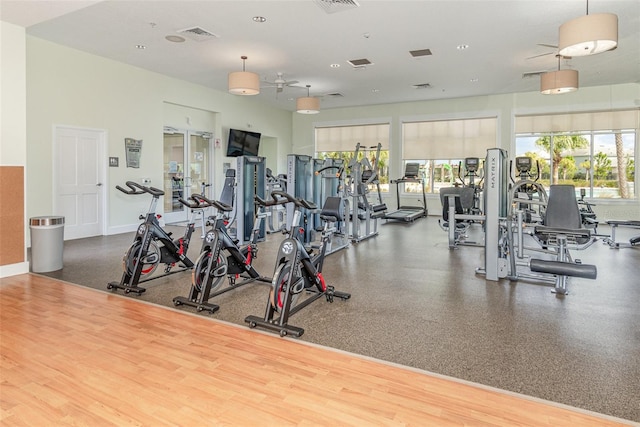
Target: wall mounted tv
(242, 143)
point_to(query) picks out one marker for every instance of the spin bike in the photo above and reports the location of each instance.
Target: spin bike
(296, 271)
(213, 265)
(151, 246)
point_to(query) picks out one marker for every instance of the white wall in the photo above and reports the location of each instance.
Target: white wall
(70, 87)
(505, 107)
(13, 113)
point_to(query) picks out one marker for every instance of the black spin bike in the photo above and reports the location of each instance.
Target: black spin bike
(296, 271)
(220, 257)
(151, 246)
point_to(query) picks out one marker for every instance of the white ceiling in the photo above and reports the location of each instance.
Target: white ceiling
(302, 40)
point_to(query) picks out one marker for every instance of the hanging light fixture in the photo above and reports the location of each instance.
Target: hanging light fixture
(558, 82)
(244, 82)
(308, 104)
(589, 34)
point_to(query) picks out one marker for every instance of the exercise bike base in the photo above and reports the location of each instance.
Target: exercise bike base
(116, 285)
(200, 306)
(283, 330)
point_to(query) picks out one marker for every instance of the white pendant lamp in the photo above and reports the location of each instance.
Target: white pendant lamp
(308, 104)
(588, 35)
(558, 82)
(244, 82)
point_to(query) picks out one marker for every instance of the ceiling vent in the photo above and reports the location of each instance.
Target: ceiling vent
(532, 74)
(419, 53)
(198, 34)
(333, 6)
(334, 95)
(422, 86)
(359, 63)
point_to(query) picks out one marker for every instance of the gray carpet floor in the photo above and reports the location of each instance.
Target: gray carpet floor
(416, 303)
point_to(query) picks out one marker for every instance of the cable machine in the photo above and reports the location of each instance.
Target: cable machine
(300, 185)
(252, 179)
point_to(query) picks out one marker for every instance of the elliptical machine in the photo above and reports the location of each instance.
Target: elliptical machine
(151, 246)
(296, 271)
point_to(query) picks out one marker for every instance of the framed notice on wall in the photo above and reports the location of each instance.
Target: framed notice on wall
(133, 148)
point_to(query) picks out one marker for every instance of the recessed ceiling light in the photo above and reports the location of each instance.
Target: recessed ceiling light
(140, 46)
(175, 39)
(474, 80)
(259, 19)
(462, 46)
(334, 65)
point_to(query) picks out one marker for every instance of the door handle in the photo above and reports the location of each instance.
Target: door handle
(99, 184)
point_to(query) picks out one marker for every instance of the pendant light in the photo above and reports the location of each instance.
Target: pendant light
(308, 104)
(558, 82)
(588, 35)
(244, 82)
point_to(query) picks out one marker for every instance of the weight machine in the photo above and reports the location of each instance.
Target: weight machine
(361, 175)
(559, 230)
(251, 175)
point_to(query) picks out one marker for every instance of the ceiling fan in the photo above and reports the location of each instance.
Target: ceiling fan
(279, 83)
(548, 53)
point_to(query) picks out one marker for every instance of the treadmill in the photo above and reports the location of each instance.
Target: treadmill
(409, 213)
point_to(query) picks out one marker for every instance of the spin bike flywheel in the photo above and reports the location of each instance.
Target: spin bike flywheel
(199, 273)
(278, 290)
(150, 259)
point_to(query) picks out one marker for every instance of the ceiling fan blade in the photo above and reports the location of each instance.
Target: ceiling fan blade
(292, 82)
(542, 54)
(548, 45)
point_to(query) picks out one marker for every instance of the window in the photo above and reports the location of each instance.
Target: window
(341, 141)
(440, 148)
(583, 149)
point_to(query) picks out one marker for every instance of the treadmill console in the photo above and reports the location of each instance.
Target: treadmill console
(411, 170)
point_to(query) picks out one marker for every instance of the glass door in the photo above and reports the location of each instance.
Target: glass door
(187, 170)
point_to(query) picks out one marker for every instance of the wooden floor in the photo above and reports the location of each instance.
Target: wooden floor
(75, 356)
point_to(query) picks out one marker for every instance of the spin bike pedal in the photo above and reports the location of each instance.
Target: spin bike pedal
(329, 293)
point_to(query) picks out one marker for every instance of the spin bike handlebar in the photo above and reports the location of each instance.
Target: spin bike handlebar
(282, 198)
(135, 188)
(204, 202)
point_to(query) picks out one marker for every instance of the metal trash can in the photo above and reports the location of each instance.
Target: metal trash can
(47, 243)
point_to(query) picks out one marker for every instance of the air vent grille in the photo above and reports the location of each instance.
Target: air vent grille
(333, 6)
(422, 86)
(532, 74)
(335, 95)
(359, 62)
(420, 52)
(198, 34)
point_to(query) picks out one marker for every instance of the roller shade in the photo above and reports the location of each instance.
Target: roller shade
(576, 122)
(448, 139)
(345, 138)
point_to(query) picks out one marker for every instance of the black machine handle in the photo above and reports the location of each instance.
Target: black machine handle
(193, 203)
(135, 188)
(280, 198)
(339, 168)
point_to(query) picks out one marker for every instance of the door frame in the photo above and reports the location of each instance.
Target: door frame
(102, 158)
(175, 217)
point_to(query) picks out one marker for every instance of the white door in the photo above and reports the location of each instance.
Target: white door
(187, 169)
(78, 180)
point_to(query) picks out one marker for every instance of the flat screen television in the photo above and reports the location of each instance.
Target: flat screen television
(243, 143)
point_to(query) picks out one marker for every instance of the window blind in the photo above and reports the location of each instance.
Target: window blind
(448, 139)
(345, 138)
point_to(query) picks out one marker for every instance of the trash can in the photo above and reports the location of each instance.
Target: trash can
(47, 243)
